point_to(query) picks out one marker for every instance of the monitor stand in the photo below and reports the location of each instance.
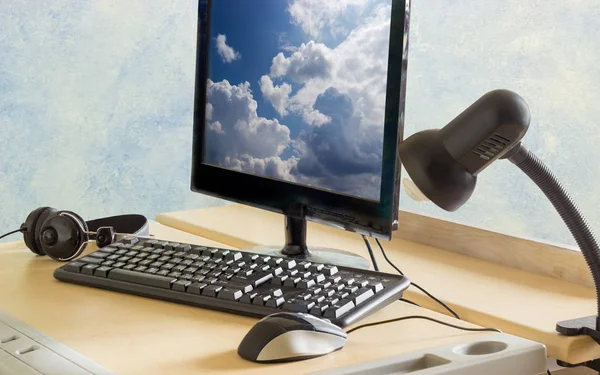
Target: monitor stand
(296, 247)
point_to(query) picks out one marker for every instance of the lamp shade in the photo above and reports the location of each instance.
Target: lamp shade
(444, 163)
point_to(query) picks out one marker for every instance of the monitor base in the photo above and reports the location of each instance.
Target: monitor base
(318, 255)
(296, 248)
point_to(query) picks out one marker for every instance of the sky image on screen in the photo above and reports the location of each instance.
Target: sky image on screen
(296, 91)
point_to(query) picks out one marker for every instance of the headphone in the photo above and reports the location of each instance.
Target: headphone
(64, 235)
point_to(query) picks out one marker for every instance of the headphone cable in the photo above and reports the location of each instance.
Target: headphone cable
(20, 230)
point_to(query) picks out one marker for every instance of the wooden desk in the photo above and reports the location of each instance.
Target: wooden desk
(135, 335)
(484, 293)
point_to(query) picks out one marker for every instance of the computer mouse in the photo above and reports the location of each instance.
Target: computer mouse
(286, 337)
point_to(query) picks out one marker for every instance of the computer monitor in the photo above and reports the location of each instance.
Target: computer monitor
(299, 109)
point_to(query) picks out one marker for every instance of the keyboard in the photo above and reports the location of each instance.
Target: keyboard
(233, 281)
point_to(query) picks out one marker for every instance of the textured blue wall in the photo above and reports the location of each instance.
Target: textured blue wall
(96, 102)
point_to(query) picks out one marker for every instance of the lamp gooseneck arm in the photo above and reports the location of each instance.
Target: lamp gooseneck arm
(533, 167)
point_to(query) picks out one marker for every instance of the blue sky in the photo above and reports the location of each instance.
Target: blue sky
(295, 66)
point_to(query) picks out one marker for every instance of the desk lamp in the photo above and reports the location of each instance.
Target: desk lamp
(444, 164)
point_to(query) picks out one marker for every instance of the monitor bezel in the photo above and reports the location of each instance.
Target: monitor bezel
(377, 219)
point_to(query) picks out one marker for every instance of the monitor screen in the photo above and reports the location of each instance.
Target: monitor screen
(296, 91)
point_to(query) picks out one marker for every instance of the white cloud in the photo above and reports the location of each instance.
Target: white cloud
(311, 60)
(278, 96)
(227, 53)
(317, 17)
(241, 140)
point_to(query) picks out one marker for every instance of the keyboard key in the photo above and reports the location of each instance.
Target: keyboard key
(325, 284)
(109, 249)
(305, 284)
(179, 268)
(108, 263)
(288, 263)
(197, 278)
(187, 262)
(167, 266)
(130, 240)
(197, 250)
(362, 295)
(180, 285)
(156, 264)
(249, 257)
(151, 270)
(91, 260)
(121, 252)
(152, 257)
(88, 269)
(113, 257)
(263, 260)
(328, 292)
(131, 254)
(145, 262)
(375, 286)
(279, 280)
(330, 270)
(196, 288)
(235, 256)
(248, 297)
(74, 267)
(351, 289)
(211, 290)
(319, 278)
(259, 278)
(292, 281)
(174, 274)
(119, 265)
(316, 268)
(163, 272)
(275, 302)
(135, 261)
(184, 247)
(334, 279)
(339, 309)
(304, 274)
(274, 262)
(230, 294)
(129, 267)
(124, 259)
(141, 278)
(331, 300)
(140, 268)
(318, 299)
(277, 271)
(303, 296)
(176, 260)
(303, 265)
(349, 281)
(99, 254)
(143, 255)
(318, 310)
(298, 306)
(261, 299)
(191, 256)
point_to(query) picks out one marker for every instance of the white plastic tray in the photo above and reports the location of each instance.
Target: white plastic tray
(497, 354)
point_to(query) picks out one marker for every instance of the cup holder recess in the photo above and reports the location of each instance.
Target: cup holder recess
(481, 348)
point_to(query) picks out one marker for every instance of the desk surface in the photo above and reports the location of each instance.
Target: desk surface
(484, 293)
(135, 335)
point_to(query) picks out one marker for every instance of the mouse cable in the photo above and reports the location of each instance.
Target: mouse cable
(9, 233)
(371, 253)
(424, 318)
(409, 302)
(415, 284)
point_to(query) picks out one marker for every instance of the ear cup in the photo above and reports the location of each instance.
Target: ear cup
(31, 223)
(63, 236)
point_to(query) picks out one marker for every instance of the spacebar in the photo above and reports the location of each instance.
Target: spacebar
(141, 278)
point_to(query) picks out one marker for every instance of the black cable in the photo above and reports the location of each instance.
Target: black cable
(9, 233)
(371, 254)
(548, 371)
(409, 302)
(425, 318)
(415, 284)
